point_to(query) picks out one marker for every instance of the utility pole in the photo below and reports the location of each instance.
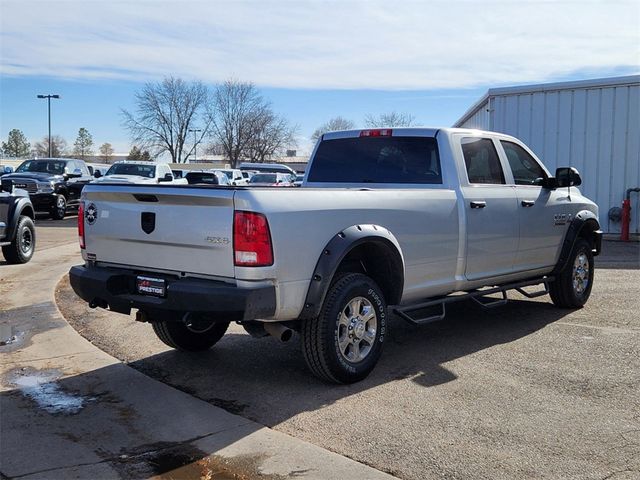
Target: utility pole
(49, 97)
(195, 142)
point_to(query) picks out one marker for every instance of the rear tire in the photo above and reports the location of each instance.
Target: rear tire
(572, 286)
(198, 337)
(343, 343)
(24, 243)
(59, 209)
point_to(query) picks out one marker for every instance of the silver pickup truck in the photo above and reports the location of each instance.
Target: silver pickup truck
(387, 221)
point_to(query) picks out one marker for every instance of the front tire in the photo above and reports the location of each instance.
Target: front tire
(59, 209)
(572, 286)
(24, 243)
(200, 335)
(343, 344)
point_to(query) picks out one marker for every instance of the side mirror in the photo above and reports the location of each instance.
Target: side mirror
(567, 177)
(97, 174)
(550, 183)
(167, 178)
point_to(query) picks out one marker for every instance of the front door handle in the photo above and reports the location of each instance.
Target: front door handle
(478, 204)
(527, 203)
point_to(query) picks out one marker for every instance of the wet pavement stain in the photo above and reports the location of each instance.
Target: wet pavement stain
(25, 322)
(184, 461)
(41, 387)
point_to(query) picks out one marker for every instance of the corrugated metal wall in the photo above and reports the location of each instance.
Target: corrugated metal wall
(595, 129)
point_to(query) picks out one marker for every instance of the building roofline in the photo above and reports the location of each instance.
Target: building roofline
(547, 87)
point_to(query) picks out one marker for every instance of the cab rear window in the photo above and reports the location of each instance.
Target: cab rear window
(412, 160)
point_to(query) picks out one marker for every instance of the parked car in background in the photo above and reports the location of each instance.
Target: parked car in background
(54, 184)
(203, 177)
(271, 180)
(247, 174)
(139, 172)
(267, 167)
(17, 231)
(234, 175)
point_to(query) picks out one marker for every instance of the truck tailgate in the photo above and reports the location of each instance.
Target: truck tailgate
(180, 229)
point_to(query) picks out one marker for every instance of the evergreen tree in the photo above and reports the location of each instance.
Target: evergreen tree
(16, 144)
(82, 145)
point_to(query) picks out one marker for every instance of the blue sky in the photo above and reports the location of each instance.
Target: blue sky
(312, 60)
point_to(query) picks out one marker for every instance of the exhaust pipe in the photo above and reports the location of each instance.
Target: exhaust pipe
(278, 331)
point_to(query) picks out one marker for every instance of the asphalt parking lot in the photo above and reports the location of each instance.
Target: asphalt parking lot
(524, 391)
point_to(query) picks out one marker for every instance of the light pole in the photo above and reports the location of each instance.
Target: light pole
(195, 143)
(49, 97)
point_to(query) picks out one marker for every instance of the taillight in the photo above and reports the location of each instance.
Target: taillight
(377, 132)
(251, 240)
(81, 224)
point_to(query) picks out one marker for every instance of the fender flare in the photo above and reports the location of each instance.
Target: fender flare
(584, 219)
(22, 206)
(334, 253)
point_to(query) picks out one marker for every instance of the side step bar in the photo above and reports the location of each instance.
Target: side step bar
(478, 296)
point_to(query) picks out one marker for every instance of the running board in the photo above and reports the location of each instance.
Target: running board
(478, 296)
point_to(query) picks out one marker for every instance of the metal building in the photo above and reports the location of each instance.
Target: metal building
(593, 125)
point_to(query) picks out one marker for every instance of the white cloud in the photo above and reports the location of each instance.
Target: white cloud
(354, 44)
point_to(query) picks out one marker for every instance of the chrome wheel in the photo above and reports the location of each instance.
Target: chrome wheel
(26, 241)
(580, 274)
(61, 205)
(357, 328)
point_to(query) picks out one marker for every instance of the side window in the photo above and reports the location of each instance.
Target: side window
(482, 161)
(526, 171)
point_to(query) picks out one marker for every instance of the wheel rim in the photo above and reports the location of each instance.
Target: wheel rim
(61, 205)
(357, 329)
(26, 241)
(580, 274)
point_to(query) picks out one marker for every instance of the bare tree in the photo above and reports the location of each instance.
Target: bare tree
(165, 111)
(390, 119)
(336, 123)
(58, 147)
(270, 137)
(244, 125)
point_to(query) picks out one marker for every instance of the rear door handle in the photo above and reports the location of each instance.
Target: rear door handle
(527, 203)
(478, 204)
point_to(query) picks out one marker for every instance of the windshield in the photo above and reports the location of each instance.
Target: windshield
(263, 178)
(55, 167)
(148, 171)
(228, 174)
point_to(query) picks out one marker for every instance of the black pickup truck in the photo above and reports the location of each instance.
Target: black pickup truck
(17, 231)
(54, 184)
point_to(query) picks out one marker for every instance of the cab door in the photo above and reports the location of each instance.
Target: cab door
(540, 231)
(490, 209)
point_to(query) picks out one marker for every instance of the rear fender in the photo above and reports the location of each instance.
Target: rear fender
(336, 251)
(22, 206)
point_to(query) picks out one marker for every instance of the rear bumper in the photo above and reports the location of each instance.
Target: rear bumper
(116, 288)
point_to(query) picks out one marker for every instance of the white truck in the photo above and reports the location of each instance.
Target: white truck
(128, 171)
(400, 221)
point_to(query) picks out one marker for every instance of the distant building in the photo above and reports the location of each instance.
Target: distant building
(593, 125)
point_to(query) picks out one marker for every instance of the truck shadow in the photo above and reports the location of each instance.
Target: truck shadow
(268, 381)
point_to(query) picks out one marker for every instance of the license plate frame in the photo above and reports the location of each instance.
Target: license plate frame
(151, 286)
